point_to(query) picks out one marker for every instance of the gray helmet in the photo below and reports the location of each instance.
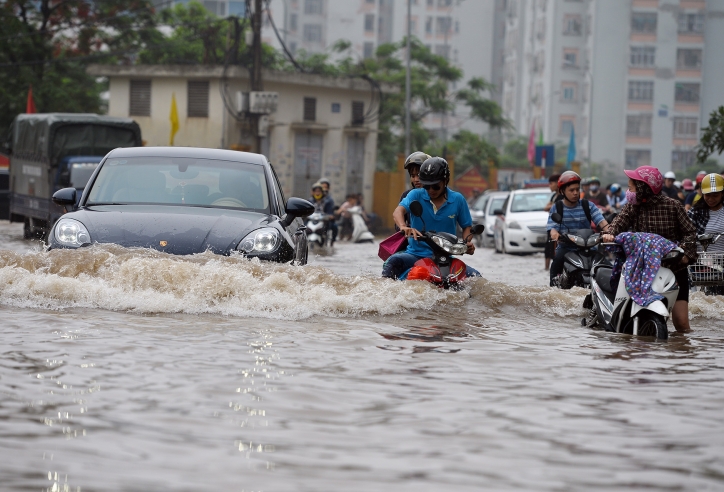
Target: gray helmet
(416, 159)
(434, 170)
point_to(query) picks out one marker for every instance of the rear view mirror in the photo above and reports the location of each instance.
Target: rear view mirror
(556, 217)
(64, 197)
(416, 208)
(477, 229)
(296, 207)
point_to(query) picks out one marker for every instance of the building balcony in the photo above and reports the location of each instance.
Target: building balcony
(691, 4)
(640, 106)
(685, 142)
(635, 140)
(646, 4)
(642, 72)
(643, 37)
(683, 73)
(691, 38)
(683, 107)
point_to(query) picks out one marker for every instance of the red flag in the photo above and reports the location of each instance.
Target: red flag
(531, 145)
(30, 106)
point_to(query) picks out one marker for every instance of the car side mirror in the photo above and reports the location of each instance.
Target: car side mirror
(65, 198)
(556, 217)
(416, 208)
(497, 211)
(296, 207)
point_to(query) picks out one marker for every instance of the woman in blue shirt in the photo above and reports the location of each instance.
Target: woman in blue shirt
(574, 218)
(442, 210)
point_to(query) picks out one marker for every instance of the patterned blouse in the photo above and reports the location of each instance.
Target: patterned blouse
(659, 215)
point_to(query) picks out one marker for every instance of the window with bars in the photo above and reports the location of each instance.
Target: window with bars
(643, 56)
(685, 127)
(428, 25)
(687, 93)
(358, 113)
(682, 159)
(566, 125)
(197, 101)
(688, 59)
(310, 109)
(691, 23)
(568, 92)
(641, 90)
(636, 158)
(313, 7)
(572, 25)
(643, 22)
(638, 125)
(313, 33)
(444, 25)
(369, 22)
(293, 22)
(140, 98)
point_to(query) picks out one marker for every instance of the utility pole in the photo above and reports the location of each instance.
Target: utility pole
(256, 82)
(407, 84)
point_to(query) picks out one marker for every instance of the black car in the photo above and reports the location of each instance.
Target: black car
(182, 201)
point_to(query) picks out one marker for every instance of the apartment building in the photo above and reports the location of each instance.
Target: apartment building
(632, 77)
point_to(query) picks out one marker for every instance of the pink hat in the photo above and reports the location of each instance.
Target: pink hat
(649, 175)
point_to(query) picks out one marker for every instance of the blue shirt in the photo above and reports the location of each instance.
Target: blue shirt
(574, 218)
(453, 212)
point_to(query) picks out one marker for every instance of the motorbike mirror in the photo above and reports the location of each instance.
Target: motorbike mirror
(296, 207)
(477, 229)
(556, 217)
(416, 208)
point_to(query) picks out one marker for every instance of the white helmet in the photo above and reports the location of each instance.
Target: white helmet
(670, 175)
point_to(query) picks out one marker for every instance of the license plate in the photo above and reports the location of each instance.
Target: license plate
(542, 239)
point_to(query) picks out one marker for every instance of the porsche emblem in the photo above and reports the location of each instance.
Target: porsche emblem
(163, 243)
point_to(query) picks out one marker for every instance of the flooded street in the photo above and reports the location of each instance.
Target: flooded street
(134, 370)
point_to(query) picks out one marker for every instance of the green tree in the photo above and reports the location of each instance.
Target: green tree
(515, 154)
(469, 149)
(712, 138)
(47, 43)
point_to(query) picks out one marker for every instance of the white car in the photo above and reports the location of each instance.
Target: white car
(482, 213)
(520, 224)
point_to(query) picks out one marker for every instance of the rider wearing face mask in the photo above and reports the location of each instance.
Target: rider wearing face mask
(648, 210)
(595, 195)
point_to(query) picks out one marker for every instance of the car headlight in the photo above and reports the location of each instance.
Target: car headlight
(513, 225)
(69, 232)
(260, 241)
(451, 248)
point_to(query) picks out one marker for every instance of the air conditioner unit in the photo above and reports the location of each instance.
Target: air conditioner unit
(263, 102)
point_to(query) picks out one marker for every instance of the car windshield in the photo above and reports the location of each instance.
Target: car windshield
(530, 202)
(496, 204)
(180, 181)
(479, 204)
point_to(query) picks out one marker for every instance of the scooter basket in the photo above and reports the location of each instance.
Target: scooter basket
(708, 270)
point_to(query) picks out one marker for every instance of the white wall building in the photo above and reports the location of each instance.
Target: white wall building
(632, 77)
(318, 130)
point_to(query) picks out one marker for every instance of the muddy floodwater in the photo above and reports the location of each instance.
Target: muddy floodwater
(132, 370)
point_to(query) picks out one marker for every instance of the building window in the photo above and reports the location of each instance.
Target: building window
(572, 25)
(444, 25)
(541, 29)
(643, 22)
(358, 113)
(686, 127)
(428, 25)
(197, 102)
(140, 98)
(691, 23)
(443, 50)
(237, 8)
(636, 158)
(369, 22)
(688, 59)
(293, 22)
(682, 159)
(215, 7)
(643, 56)
(568, 92)
(313, 7)
(444, 3)
(566, 126)
(369, 50)
(570, 57)
(293, 47)
(638, 125)
(640, 90)
(310, 109)
(313, 33)
(687, 93)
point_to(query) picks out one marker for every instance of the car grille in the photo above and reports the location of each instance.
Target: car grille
(538, 229)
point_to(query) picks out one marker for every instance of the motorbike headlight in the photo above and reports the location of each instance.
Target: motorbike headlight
(70, 232)
(451, 248)
(578, 240)
(593, 240)
(513, 225)
(260, 241)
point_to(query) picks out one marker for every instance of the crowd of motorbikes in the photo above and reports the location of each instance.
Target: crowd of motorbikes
(319, 228)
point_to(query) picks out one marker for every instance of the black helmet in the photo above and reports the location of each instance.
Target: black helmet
(434, 170)
(416, 159)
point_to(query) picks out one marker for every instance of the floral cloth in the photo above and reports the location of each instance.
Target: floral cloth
(643, 259)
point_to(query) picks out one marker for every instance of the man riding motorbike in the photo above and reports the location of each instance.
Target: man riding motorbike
(617, 199)
(707, 214)
(595, 195)
(442, 210)
(574, 217)
(324, 203)
(648, 210)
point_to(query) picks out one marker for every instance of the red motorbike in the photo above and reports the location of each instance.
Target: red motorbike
(441, 270)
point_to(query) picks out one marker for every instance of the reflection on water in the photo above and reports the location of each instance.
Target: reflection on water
(134, 370)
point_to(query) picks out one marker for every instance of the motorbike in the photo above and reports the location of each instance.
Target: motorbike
(360, 233)
(707, 273)
(577, 264)
(441, 270)
(319, 232)
(617, 312)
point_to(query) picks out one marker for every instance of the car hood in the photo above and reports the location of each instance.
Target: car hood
(528, 218)
(184, 230)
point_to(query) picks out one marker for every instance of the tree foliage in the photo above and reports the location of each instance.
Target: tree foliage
(712, 138)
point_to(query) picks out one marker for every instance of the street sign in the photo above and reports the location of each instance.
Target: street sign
(545, 156)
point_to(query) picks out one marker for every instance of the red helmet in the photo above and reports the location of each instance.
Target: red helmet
(700, 177)
(567, 178)
(649, 175)
(687, 184)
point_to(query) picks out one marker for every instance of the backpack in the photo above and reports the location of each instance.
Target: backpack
(584, 203)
